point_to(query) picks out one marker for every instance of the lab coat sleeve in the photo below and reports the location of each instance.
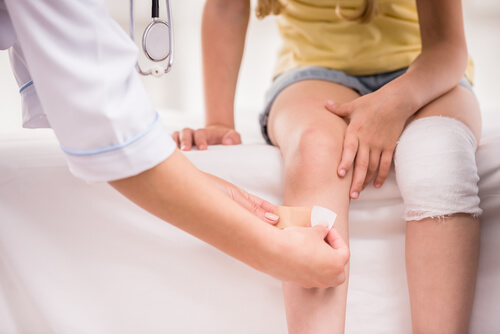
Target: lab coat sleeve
(83, 69)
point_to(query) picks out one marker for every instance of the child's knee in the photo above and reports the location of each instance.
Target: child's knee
(318, 146)
(436, 169)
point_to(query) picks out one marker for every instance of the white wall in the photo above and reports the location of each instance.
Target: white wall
(182, 88)
(482, 26)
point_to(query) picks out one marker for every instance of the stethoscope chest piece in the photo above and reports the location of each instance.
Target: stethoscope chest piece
(156, 40)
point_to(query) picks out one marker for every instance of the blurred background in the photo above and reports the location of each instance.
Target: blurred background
(179, 95)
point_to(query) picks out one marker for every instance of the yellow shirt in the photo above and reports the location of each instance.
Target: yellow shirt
(313, 34)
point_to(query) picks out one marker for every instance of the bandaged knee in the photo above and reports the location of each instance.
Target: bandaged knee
(436, 169)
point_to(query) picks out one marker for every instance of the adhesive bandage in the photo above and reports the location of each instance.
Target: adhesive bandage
(304, 216)
(436, 169)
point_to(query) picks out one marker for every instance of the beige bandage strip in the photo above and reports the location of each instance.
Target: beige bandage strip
(304, 216)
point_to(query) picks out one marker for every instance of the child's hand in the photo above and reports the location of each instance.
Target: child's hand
(201, 138)
(370, 139)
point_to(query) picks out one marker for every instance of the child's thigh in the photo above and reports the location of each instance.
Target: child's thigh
(460, 104)
(299, 110)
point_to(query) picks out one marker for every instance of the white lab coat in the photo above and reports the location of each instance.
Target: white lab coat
(76, 71)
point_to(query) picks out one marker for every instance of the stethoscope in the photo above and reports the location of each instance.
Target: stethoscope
(157, 39)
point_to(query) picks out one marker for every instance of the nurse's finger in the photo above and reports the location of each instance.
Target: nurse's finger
(200, 139)
(186, 139)
(335, 240)
(267, 209)
(175, 137)
(255, 205)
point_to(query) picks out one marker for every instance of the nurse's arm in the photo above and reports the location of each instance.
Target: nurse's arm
(180, 194)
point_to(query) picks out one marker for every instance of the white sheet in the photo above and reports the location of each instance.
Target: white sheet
(79, 258)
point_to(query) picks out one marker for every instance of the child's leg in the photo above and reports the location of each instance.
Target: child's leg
(442, 255)
(441, 264)
(310, 139)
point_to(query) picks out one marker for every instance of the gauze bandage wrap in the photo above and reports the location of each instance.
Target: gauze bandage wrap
(436, 169)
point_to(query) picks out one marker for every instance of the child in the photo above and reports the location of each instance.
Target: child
(388, 71)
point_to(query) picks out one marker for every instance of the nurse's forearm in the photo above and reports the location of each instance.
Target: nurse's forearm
(180, 194)
(224, 28)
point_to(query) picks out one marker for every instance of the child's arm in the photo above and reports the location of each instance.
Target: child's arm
(224, 29)
(442, 62)
(377, 120)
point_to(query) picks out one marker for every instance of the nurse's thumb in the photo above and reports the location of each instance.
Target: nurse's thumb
(321, 229)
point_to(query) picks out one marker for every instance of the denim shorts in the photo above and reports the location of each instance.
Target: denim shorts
(363, 85)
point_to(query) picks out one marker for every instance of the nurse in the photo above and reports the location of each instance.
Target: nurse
(76, 70)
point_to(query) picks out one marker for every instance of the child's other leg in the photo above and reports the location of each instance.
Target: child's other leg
(311, 139)
(442, 255)
(441, 264)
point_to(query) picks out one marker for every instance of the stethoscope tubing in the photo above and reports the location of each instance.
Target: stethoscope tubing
(155, 9)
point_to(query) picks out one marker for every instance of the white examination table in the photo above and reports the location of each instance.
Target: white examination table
(80, 258)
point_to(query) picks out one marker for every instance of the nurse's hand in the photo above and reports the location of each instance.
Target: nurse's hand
(210, 135)
(312, 257)
(260, 208)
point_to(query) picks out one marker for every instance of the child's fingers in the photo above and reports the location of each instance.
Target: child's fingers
(200, 139)
(360, 170)
(175, 137)
(231, 138)
(384, 168)
(348, 154)
(186, 139)
(336, 109)
(372, 166)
